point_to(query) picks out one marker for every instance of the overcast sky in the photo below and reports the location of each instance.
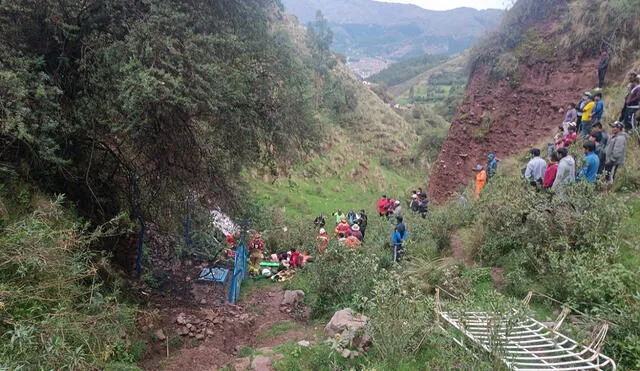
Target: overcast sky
(451, 4)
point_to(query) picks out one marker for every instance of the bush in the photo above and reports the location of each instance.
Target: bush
(55, 310)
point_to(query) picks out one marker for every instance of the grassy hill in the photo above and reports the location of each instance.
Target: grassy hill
(366, 28)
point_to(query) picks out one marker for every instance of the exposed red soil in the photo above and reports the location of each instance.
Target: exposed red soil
(519, 118)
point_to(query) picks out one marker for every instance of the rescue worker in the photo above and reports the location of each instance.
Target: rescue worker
(481, 180)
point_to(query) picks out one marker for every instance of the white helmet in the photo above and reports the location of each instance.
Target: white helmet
(266, 272)
(322, 231)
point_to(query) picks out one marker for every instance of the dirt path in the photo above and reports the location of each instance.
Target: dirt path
(210, 338)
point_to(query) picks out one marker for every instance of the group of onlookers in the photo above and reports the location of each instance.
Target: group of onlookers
(350, 228)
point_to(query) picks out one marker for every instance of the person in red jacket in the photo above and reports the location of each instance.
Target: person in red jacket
(569, 139)
(382, 205)
(550, 173)
(295, 258)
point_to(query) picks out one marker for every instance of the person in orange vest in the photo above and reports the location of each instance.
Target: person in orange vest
(323, 239)
(343, 228)
(481, 179)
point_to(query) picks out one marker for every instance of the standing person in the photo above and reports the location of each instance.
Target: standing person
(558, 139)
(351, 217)
(536, 167)
(397, 211)
(566, 172)
(632, 77)
(603, 64)
(481, 180)
(398, 250)
(362, 222)
(598, 109)
(631, 103)
(586, 97)
(587, 112)
(599, 134)
(550, 173)
(600, 152)
(382, 205)
(591, 163)
(323, 240)
(401, 228)
(616, 150)
(339, 215)
(570, 116)
(492, 165)
(319, 221)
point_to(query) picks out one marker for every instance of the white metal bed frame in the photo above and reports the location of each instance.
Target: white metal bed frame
(526, 344)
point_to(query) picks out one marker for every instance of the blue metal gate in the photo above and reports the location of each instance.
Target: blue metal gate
(239, 271)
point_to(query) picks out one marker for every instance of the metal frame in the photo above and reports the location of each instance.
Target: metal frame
(526, 344)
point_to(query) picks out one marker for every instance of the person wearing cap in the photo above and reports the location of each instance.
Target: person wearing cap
(323, 240)
(382, 205)
(586, 116)
(481, 180)
(362, 222)
(616, 150)
(397, 208)
(355, 231)
(566, 172)
(603, 64)
(492, 165)
(536, 167)
(586, 97)
(591, 163)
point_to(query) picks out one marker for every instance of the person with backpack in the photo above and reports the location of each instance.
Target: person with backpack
(492, 165)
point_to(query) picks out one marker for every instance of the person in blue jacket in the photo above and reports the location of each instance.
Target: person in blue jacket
(591, 163)
(396, 240)
(598, 109)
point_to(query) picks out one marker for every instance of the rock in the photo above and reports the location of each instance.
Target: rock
(200, 336)
(304, 343)
(203, 301)
(189, 326)
(209, 332)
(352, 327)
(261, 363)
(292, 297)
(346, 353)
(182, 331)
(160, 335)
(191, 334)
(181, 319)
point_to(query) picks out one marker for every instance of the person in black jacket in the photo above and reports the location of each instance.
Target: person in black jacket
(362, 222)
(602, 68)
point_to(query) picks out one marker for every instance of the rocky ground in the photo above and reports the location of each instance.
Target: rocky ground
(210, 337)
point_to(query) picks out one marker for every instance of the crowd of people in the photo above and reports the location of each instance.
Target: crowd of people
(603, 154)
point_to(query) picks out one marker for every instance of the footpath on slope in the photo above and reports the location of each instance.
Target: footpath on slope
(214, 337)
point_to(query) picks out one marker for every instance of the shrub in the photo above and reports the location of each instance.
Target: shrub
(55, 310)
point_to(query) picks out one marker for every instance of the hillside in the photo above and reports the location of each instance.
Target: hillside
(366, 29)
(521, 80)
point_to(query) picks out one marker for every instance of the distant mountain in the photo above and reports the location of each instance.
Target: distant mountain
(367, 28)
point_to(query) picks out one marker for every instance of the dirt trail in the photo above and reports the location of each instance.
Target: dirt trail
(258, 322)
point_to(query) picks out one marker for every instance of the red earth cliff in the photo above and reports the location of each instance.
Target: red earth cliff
(500, 118)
